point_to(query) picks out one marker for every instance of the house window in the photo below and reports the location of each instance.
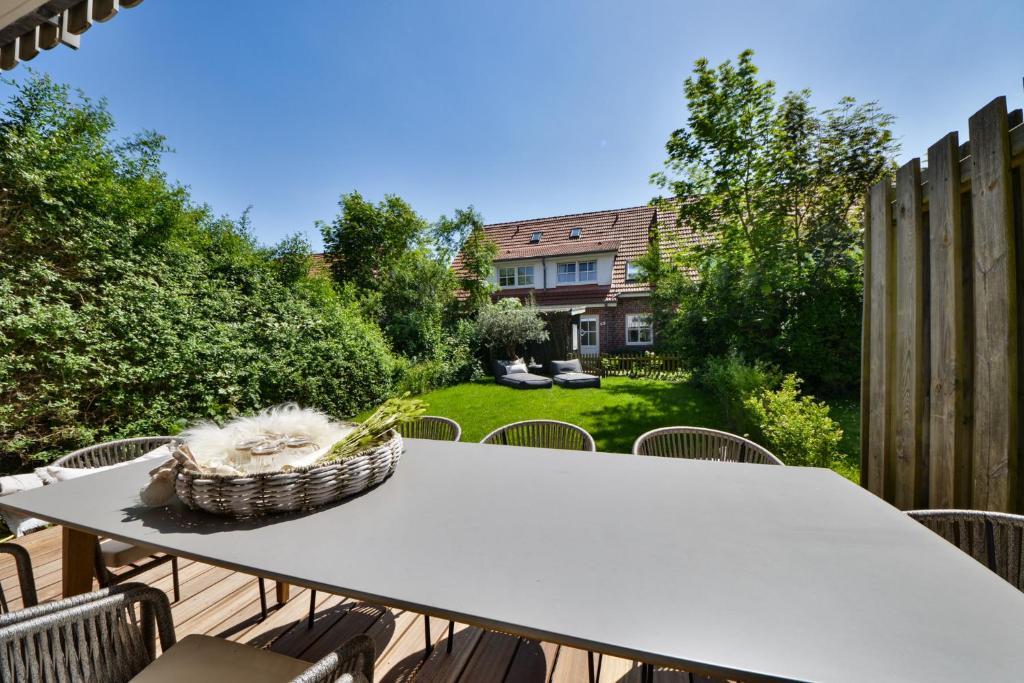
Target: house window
(633, 271)
(512, 276)
(639, 329)
(535, 237)
(566, 272)
(506, 277)
(588, 271)
(575, 233)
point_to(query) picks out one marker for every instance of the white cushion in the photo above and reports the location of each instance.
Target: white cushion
(20, 524)
(516, 368)
(205, 658)
(118, 553)
(56, 473)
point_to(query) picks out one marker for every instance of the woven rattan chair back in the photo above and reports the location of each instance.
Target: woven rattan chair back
(112, 452)
(995, 539)
(698, 443)
(542, 434)
(112, 640)
(432, 427)
(26, 581)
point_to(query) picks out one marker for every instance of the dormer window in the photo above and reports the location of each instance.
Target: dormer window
(574, 233)
(535, 237)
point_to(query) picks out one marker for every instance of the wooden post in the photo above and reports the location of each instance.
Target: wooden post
(283, 590)
(995, 437)
(881, 327)
(949, 461)
(910, 372)
(78, 559)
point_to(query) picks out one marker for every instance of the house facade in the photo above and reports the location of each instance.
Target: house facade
(585, 266)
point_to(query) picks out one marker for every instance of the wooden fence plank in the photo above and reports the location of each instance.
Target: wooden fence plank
(949, 439)
(882, 277)
(995, 438)
(910, 337)
(865, 351)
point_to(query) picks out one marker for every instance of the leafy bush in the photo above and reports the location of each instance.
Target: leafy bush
(454, 362)
(732, 382)
(126, 309)
(796, 428)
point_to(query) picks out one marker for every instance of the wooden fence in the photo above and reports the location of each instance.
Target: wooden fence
(646, 365)
(941, 382)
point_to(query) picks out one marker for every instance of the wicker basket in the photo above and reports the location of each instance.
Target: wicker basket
(300, 489)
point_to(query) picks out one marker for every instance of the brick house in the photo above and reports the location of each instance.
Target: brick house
(584, 266)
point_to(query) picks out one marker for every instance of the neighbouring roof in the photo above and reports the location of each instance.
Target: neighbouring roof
(627, 232)
(28, 26)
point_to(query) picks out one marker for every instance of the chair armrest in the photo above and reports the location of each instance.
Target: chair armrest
(353, 662)
(26, 580)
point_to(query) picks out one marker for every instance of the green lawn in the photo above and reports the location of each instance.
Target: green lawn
(616, 414)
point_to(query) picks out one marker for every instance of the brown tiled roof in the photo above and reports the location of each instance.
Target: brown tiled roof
(559, 249)
(624, 231)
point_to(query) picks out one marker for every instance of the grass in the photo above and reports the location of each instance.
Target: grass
(616, 414)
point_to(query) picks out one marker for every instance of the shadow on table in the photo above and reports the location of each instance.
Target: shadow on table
(177, 517)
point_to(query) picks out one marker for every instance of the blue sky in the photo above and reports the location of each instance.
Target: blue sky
(524, 109)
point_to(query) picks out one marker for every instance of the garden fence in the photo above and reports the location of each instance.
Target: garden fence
(941, 411)
(647, 365)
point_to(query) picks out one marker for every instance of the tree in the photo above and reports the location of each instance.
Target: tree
(365, 239)
(774, 185)
(508, 324)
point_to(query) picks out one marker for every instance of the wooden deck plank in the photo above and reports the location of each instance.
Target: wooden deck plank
(492, 657)
(532, 662)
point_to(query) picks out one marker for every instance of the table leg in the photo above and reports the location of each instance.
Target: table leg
(282, 592)
(77, 563)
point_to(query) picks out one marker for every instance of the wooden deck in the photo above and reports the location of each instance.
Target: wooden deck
(226, 604)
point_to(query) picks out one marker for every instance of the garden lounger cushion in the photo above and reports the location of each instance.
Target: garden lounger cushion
(205, 658)
(20, 524)
(524, 380)
(577, 380)
(560, 366)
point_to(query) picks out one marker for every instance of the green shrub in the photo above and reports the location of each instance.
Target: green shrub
(795, 427)
(126, 309)
(732, 382)
(455, 361)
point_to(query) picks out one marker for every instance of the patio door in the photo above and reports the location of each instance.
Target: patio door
(590, 341)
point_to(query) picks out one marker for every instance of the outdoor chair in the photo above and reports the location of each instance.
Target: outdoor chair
(995, 539)
(111, 635)
(542, 434)
(431, 427)
(698, 443)
(26, 580)
(111, 554)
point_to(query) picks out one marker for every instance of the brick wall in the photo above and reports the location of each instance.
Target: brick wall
(612, 322)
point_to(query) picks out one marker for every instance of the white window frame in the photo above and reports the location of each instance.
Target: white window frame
(633, 323)
(638, 271)
(561, 278)
(502, 276)
(517, 277)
